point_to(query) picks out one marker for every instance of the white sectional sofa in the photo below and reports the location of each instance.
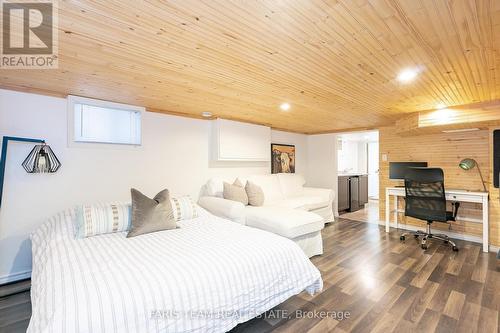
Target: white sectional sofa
(290, 209)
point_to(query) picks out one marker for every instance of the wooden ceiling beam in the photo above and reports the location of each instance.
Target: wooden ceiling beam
(456, 118)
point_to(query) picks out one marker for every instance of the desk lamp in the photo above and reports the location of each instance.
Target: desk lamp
(469, 163)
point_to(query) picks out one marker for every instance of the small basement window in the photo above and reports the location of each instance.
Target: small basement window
(95, 121)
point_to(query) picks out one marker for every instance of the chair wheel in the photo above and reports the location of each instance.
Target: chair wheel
(455, 249)
(423, 246)
(416, 236)
(402, 238)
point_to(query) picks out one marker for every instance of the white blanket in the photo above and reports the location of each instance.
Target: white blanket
(206, 276)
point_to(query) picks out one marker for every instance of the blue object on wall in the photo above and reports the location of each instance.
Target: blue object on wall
(3, 159)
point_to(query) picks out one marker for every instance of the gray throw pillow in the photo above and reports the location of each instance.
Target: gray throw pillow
(235, 192)
(255, 194)
(150, 215)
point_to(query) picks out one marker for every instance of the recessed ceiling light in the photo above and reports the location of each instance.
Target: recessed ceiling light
(285, 106)
(206, 114)
(407, 75)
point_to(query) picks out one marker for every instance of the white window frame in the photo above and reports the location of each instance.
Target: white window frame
(72, 100)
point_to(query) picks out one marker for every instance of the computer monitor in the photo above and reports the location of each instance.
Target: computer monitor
(397, 170)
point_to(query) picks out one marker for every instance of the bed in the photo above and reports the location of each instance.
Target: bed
(208, 275)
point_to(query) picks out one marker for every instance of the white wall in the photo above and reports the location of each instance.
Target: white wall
(348, 157)
(322, 163)
(352, 158)
(362, 157)
(174, 155)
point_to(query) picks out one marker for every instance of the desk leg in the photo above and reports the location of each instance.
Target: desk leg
(396, 222)
(387, 211)
(486, 224)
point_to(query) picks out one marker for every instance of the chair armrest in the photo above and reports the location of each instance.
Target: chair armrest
(228, 209)
(323, 192)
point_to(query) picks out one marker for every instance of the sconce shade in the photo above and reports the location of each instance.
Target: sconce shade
(467, 164)
(41, 159)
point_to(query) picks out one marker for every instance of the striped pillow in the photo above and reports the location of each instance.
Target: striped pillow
(97, 219)
(184, 208)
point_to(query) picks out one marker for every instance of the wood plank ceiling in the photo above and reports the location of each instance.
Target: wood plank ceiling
(335, 62)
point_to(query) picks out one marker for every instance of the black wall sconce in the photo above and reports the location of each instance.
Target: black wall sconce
(41, 159)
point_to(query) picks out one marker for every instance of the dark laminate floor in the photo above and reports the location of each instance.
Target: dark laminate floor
(389, 286)
(15, 307)
(385, 285)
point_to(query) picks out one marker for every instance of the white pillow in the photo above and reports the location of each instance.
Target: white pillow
(270, 185)
(291, 184)
(215, 187)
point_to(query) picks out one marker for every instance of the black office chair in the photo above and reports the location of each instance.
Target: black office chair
(425, 200)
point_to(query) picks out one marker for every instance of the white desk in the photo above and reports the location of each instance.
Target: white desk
(451, 195)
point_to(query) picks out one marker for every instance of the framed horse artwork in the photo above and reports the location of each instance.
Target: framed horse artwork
(282, 158)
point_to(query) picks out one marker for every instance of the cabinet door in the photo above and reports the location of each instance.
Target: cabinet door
(363, 190)
(236, 141)
(354, 193)
(343, 193)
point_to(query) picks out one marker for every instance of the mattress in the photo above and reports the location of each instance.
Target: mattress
(207, 275)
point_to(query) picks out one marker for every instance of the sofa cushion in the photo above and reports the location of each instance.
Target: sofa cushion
(324, 193)
(270, 185)
(286, 222)
(255, 194)
(291, 184)
(228, 209)
(215, 187)
(303, 202)
(317, 204)
(236, 192)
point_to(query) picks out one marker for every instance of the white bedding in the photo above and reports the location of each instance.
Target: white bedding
(206, 276)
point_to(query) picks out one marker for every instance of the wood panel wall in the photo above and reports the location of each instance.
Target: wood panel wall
(445, 150)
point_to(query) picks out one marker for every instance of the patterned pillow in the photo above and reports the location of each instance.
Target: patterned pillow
(104, 218)
(184, 208)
